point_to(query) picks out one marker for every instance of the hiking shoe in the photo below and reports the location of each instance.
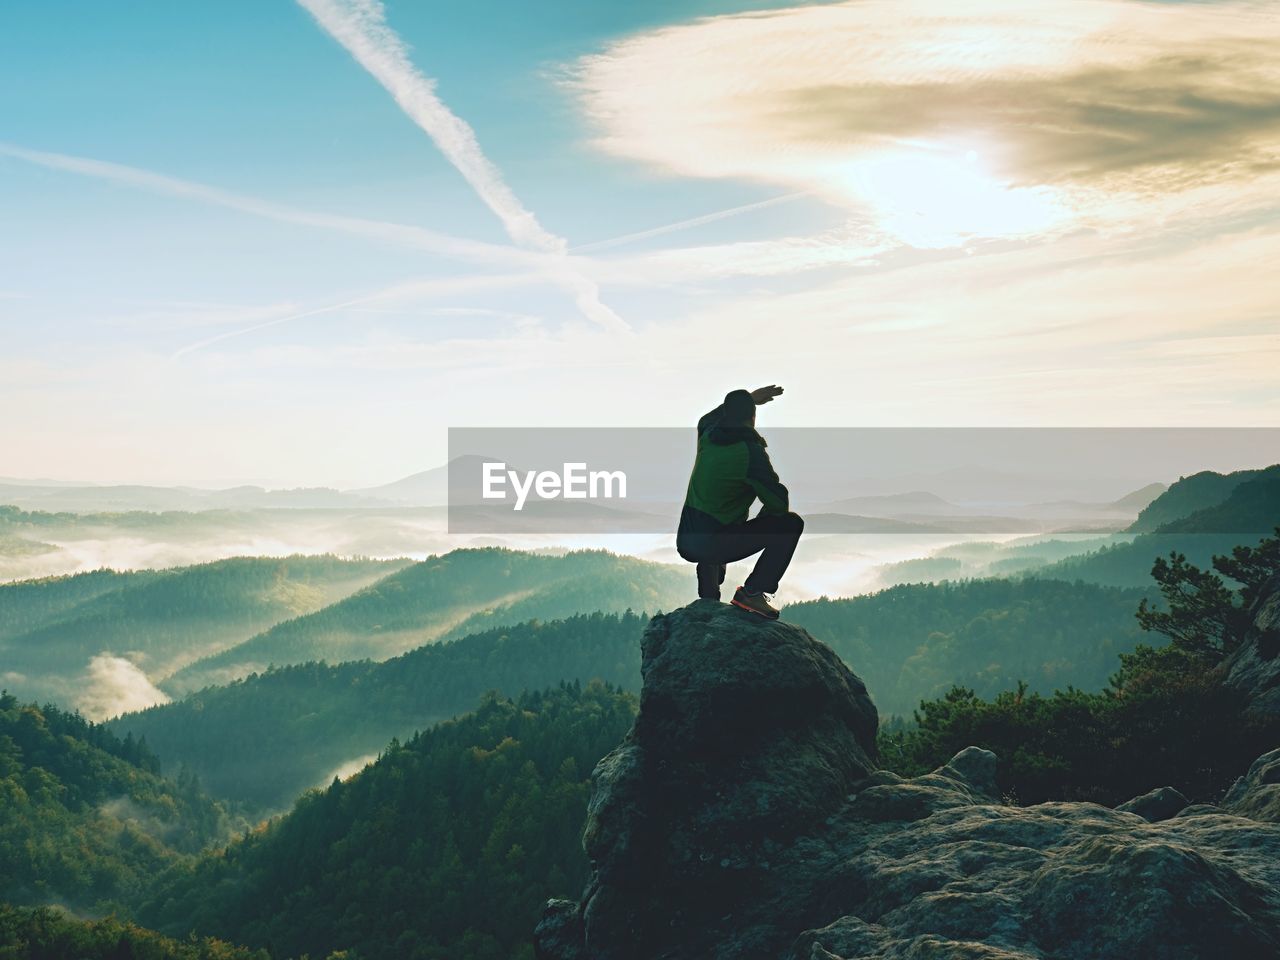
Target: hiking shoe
(755, 602)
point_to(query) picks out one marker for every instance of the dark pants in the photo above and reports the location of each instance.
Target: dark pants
(776, 534)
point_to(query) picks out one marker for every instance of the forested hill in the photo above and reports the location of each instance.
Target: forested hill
(445, 849)
(1129, 564)
(265, 739)
(48, 933)
(1201, 516)
(1200, 491)
(85, 818)
(1253, 507)
(50, 629)
(450, 596)
(29, 604)
(916, 641)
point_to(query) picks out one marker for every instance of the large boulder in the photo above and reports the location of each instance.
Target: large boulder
(750, 733)
(1158, 804)
(1256, 795)
(743, 819)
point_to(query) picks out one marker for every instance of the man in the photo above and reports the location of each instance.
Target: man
(732, 471)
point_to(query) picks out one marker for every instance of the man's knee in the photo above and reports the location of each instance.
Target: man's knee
(795, 522)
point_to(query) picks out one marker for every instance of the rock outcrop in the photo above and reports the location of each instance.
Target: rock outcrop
(743, 818)
(749, 733)
(1254, 669)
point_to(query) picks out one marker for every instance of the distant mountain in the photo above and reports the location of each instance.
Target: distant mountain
(849, 524)
(447, 847)
(29, 604)
(322, 718)
(157, 621)
(896, 504)
(980, 559)
(449, 596)
(925, 511)
(1191, 494)
(430, 488)
(1129, 564)
(87, 819)
(916, 641)
(99, 498)
(1140, 499)
(139, 539)
(44, 482)
(911, 643)
(1200, 516)
(1253, 506)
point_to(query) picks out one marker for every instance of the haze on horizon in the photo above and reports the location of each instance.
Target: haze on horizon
(295, 243)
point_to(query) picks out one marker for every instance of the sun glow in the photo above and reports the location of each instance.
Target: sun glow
(942, 199)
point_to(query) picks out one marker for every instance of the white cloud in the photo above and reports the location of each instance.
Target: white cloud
(416, 289)
(349, 769)
(420, 238)
(558, 269)
(992, 118)
(177, 315)
(114, 686)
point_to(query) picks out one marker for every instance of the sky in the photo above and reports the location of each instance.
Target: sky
(293, 242)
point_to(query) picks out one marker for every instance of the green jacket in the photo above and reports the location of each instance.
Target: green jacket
(731, 472)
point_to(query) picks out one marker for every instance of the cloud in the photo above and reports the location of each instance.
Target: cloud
(563, 271)
(852, 244)
(176, 315)
(400, 291)
(688, 223)
(442, 244)
(361, 27)
(115, 686)
(124, 810)
(994, 118)
(348, 770)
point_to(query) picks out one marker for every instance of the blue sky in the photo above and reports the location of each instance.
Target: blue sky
(985, 218)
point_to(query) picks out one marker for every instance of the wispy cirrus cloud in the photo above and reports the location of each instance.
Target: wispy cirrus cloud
(556, 268)
(361, 27)
(430, 241)
(414, 289)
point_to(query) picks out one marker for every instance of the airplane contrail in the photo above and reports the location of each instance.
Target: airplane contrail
(429, 240)
(360, 26)
(452, 285)
(689, 223)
